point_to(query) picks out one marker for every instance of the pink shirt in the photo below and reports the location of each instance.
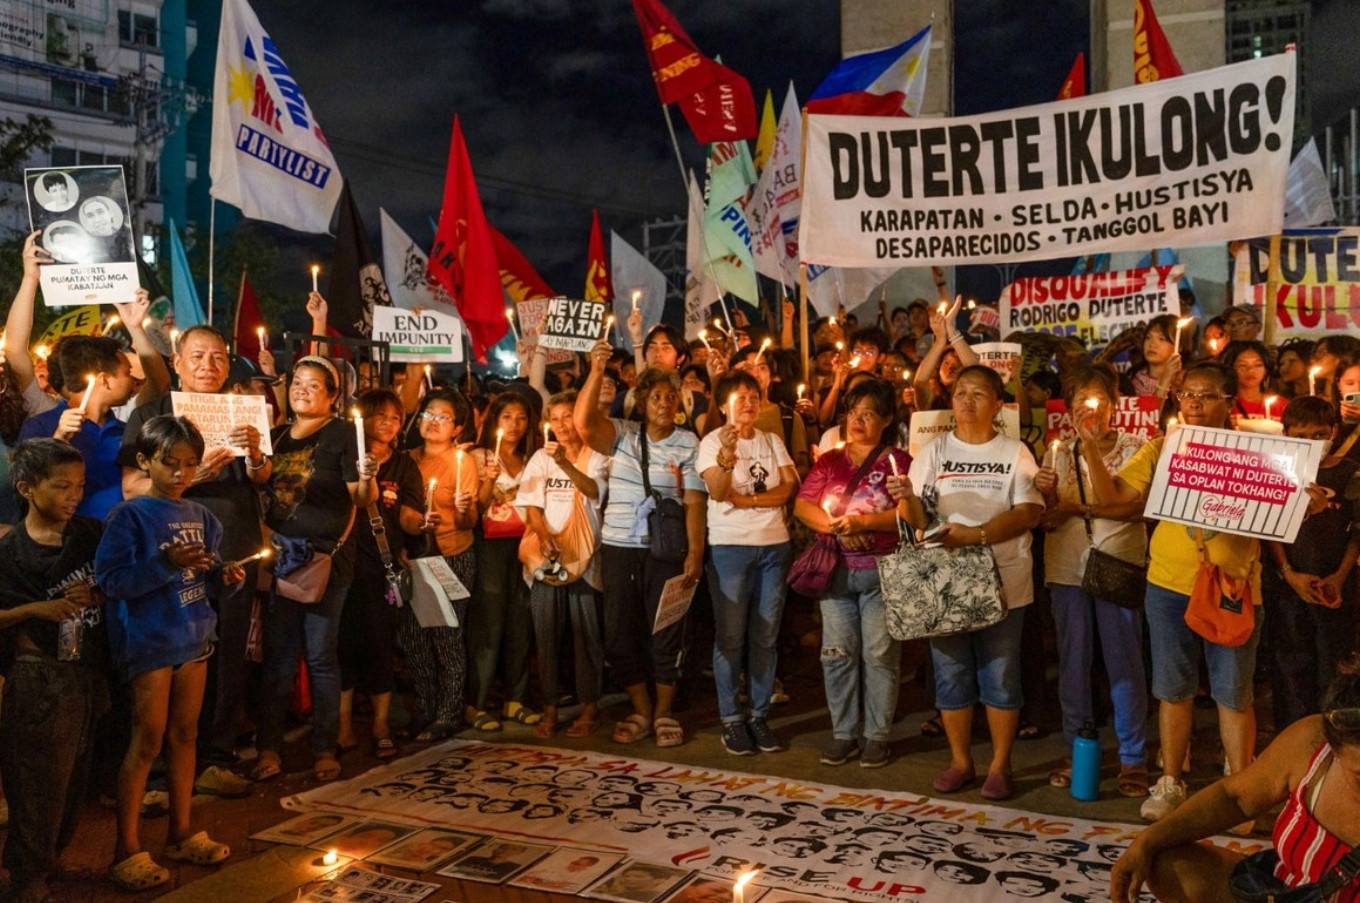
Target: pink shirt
(829, 478)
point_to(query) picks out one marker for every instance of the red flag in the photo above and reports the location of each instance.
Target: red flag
(1153, 58)
(463, 258)
(1075, 83)
(716, 101)
(599, 287)
(245, 337)
(518, 277)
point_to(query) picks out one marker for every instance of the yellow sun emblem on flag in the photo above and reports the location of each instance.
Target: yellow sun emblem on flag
(241, 86)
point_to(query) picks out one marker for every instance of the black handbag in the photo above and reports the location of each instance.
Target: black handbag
(1253, 880)
(1108, 577)
(668, 533)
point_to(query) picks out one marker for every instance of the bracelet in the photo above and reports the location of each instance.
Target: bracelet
(956, 337)
(254, 467)
(982, 536)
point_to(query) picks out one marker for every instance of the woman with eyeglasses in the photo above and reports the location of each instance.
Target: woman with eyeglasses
(1206, 398)
(436, 655)
(1312, 768)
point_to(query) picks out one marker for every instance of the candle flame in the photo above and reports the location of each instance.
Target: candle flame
(971, 304)
(1092, 403)
(840, 445)
(174, 338)
(944, 306)
(637, 293)
(434, 481)
(1315, 372)
(854, 361)
(745, 877)
(609, 322)
(509, 314)
(1270, 401)
(802, 387)
(259, 331)
(1184, 321)
(316, 268)
(331, 857)
(265, 553)
(840, 346)
(42, 351)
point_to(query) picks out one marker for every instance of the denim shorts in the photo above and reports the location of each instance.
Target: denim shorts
(982, 665)
(1175, 655)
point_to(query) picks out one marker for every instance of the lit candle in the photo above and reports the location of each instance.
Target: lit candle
(262, 336)
(971, 304)
(1270, 401)
(732, 408)
(637, 293)
(1181, 324)
(802, 387)
(1052, 457)
(718, 325)
(1171, 425)
(831, 321)
(110, 324)
(42, 351)
(316, 271)
(763, 346)
(703, 337)
(500, 434)
(739, 889)
(510, 316)
(174, 340)
(263, 553)
(840, 446)
(892, 462)
(854, 361)
(608, 324)
(1092, 403)
(1213, 347)
(359, 440)
(429, 494)
(1313, 374)
(429, 380)
(944, 306)
(826, 506)
(546, 427)
(458, 472)
(331, 857)
(840, 348)
(89, 389)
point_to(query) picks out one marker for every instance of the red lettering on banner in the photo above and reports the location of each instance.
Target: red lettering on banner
(1038, 825)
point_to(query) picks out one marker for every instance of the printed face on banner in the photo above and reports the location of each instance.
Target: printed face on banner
(86, 225)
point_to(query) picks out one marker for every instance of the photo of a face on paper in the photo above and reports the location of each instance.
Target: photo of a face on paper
(83, 213)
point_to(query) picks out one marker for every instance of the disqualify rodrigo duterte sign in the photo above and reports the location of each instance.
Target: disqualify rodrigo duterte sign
(1190, 160)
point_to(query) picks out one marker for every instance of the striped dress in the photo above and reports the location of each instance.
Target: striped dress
(1306, 849)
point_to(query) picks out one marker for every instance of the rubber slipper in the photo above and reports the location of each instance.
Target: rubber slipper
(545, 728)
(632, 729)
(998, 786)
(1062, 777)
(326, 767)
(1133, 781)
(668, 732)
(932, 727)
(384, 748)
(139, 872)
(199, 849)
(267, 767)
(523, 714)
(582, 727)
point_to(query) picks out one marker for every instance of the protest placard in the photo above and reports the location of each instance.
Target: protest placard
(86, 225)
(532, 313)
(1319, 290)
(573, 325)
(1184, 161)
(83, 320)
(1094, 307)
(674, 602)
(1137, 414)
(1245, 483)
(430, 336)
(1000, 357)
(927, 426)
(217, 415)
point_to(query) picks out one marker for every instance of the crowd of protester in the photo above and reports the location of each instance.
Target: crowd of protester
(132, 594)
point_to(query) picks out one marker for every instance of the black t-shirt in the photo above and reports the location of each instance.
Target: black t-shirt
(232, 497)
(307, 493)
(1321, 543)
(31, 572)
(399, 483)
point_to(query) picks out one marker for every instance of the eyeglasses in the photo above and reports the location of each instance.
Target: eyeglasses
(1200, 397)
(427, 417)
(1240, 321)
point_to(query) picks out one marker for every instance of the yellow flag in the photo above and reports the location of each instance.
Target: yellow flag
(765, 140)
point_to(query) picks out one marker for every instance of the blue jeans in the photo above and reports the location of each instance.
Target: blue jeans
(1077, 617)
(1176, 649)
(747, 586)
(290, 629)
(859, 658)
(983, 664)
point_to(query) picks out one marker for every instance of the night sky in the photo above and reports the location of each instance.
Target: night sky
(558, 106)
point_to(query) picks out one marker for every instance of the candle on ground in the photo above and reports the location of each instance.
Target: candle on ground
(739, 889)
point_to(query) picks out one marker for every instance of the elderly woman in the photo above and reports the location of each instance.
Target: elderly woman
(1311, 768)
(633, 577)
(979, 485)
(846, 496)
(317, 482)
(1116, 529)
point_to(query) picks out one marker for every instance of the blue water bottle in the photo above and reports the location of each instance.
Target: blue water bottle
(1086, 764)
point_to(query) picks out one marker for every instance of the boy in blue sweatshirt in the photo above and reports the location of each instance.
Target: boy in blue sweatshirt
(154, 563)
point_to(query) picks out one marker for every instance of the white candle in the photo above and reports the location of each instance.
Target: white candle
(174, 340)
(1171, 424)
(110, 324)
(739, 889)
(42, 351)
(1270, 403)
(458, 472)
(944, 306)
(718, 325)
(263, 553)
(854, 361)
(840, 348)
(802, 387)
(429, 380)
(761, 353)
(331, 858)
(316, 270)
(360, 441)
(826, 506)
(546, 427)
(262, 336)
(892, 462)
(510, 316)
(429, 494)
(500, 434)
(89, 388)
(703, 337)
(732, 408)
(1312, 380)
(1181, 324)
(608, 325)
(637, 293)
(1052, 457)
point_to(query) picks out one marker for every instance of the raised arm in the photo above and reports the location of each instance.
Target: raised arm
(133, 315)
(320, 312)
(596, 430)
(19, 323)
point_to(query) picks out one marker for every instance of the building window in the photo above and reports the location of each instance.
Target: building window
(135, 29)
(63, 156)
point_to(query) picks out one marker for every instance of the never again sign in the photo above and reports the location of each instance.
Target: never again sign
(1189, 160)
(573, 325)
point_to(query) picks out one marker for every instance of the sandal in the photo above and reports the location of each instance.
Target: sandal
(267, 767)
(1029, 731)
(384, 748)
(1133, 781)
(932, 726)
(668, 732)
(139, 872)
(200, 849)
(632, 729)
(516, 711)
(482, 721)
(326, 767)
(1062, 777)
(582, 727)
(442, 730)
(545, 728)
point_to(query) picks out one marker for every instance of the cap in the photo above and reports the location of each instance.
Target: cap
(243, 370)
(1248, 309)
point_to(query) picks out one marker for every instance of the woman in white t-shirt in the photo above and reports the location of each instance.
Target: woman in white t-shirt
(980, 485)
(560, 493)
(1117, 529)
(750, 478)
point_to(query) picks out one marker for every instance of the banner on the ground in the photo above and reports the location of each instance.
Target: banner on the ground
(1319, 289)
(927, 426)
(1245, 483)
(1094, 307)
(217, 415)
(1185, 161)
(806, 836)
(86, 225)
(572, 324)
(1137, 414)
(1000, 357)
(430, 336)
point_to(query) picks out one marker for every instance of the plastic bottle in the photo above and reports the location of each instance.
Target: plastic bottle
(1086, 764)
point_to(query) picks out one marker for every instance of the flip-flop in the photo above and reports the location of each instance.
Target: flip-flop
(932, 726)
(326, 767)
(384, 748)
(545, 728)
(516, 711)
(267, 767)
(1133, 781)
(582, 727)
(482, 721)
(632, 729)
(1062, 777)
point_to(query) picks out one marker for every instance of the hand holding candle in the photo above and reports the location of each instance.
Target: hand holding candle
(1180, 325)
(316, 271)
(1052, 457)
(360, 441)
(258, 556)
(262, 336)
(637, 293)
(802, 387)
(429, 495)
(89, 390)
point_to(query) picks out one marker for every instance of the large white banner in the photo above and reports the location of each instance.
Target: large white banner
(1186, 161)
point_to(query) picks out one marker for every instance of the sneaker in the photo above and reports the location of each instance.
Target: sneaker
(736, 739)
(777, 695)
(218, 781)
(1165, 796)
(764, 737)
(839, 751)
(875, 754)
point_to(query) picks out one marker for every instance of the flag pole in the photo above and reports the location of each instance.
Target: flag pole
(802, 270)
(212, 243)
(1273, 280)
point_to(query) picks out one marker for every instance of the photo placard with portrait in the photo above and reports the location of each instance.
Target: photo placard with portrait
(86, 224)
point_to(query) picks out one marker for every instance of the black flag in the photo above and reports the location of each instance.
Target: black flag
(356, 282)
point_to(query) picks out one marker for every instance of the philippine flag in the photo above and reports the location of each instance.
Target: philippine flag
(888, 82)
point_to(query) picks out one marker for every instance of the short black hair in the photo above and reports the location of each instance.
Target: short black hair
(80, 355)
(53, 180)
(35, 459)
(878, 392)
(1309, 410)
(462, 411)
(160, 434)
(730, 382)
(870, 335)
(674, 336)
(987, 375)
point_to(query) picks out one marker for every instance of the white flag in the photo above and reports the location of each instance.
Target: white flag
(404, 263)
(832, 287)
(632, 272)
(269, 157)
(700, 290)
(773, 212)
(1307, 195)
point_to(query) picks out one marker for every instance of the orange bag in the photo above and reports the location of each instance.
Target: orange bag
(1220, 609)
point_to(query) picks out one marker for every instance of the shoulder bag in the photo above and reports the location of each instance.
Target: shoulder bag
(576, 543)
(1107, 576)
(811, 572)
(666, 528)
(398, 578)
(1253, 880)
(934, 591)
(1220, 608)
(298, 571)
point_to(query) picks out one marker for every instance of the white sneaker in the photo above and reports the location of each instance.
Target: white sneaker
(1166, 795)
